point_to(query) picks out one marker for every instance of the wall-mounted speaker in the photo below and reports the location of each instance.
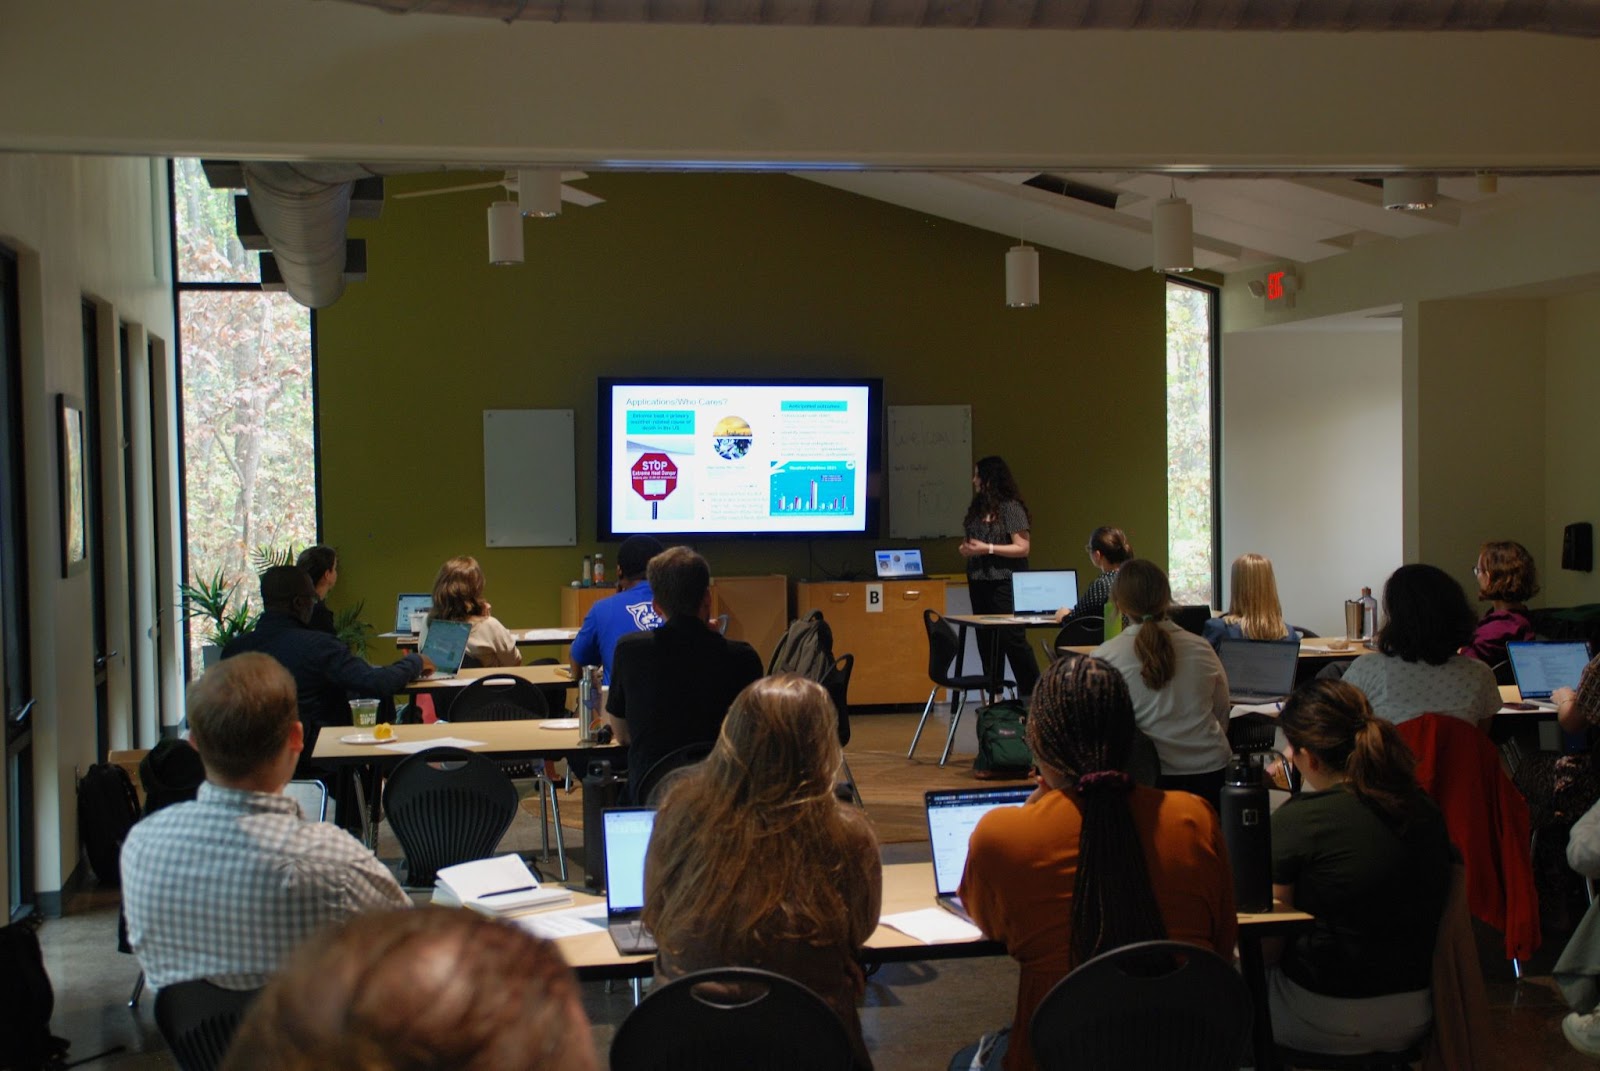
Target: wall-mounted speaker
(1577, 547)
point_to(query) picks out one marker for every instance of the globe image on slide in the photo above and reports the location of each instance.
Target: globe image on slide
(731, 438)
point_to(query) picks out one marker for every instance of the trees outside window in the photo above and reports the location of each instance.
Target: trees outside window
(1192, 534)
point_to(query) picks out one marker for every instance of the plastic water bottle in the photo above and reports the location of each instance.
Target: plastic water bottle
(588, 577)
(1247, 829)
(1369, 614)
(599, 570)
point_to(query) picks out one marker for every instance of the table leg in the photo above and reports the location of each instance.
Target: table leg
(369, 818)
(1255, 978)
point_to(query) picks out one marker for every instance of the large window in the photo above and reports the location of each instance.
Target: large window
(249, 461)
(1192, 535)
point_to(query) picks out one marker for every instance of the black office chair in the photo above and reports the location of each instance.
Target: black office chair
(198, 1021)
(944, 646)
(1162, 1004)
(1503, 674)
(1191, 618)
(837, 683)
(1082, 632)
(732, 1019)
(674, 760)
(447, 806)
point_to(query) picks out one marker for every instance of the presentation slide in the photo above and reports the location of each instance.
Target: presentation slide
(739, 458)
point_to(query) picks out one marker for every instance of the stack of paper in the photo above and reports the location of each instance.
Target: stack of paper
(501, 886)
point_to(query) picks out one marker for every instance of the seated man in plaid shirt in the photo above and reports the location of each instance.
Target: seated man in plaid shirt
(224, 888)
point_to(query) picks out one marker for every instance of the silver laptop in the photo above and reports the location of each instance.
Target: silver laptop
(625, 833)
(1540, 667)
(446, 645)
(404, 607)
(904, 564)
(1259, 671)
(1039, 593)
(952, 815)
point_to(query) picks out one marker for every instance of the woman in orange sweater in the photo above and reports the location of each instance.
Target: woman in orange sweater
(1092, 861)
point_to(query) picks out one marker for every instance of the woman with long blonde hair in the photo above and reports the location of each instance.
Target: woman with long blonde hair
(754, 862)
(458, 596)
(1254, 612)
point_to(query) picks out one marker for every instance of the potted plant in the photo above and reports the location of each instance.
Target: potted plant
(352, 630)
(210, 600)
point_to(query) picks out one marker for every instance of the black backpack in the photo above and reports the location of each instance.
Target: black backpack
(27, 1001)
(107, 808)
(806, 649)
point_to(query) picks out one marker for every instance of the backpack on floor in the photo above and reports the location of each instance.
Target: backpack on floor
(27, 1001)
(1002, 750)
(806, 649)
(107, 808)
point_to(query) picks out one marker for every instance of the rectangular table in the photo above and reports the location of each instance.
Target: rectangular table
(988, 627)
(524, 637)
(559, 674)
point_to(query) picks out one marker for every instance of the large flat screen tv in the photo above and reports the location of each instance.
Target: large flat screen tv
(740, 457)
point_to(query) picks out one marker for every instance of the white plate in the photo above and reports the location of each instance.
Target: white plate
(363, 738)
(558, 723)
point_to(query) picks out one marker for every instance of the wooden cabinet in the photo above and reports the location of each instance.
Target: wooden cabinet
(757, 608)
(889, 641)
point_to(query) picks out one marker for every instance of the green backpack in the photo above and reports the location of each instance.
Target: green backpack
(1002, 750)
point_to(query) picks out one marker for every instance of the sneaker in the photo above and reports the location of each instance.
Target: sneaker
(1583, 1032)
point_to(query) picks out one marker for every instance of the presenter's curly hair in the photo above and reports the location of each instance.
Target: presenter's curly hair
(750, 847)
(426, 990)
(1081, 723)
(996, 487)
(458, 591)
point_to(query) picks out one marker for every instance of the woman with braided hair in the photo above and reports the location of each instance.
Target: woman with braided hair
(754, 862)
(1092, 861)
(1367, 853)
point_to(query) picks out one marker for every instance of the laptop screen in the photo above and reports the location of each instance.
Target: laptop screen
(1259, 667)
(406, 604)
(952, 815)
(893, 563)
(626, 835)
(1044, 591)
(1541, 668)
(446, 644)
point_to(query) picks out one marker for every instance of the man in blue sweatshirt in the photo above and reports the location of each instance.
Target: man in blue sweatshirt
(622, 614)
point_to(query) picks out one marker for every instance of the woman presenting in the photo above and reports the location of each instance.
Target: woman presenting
(996, 546)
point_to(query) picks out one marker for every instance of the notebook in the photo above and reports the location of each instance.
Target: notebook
(1259, 671)
(1540, 667)
(1039, 593)
(904, 564)
(625, 832)
(952, 814)
(405, 605)
(446, 645)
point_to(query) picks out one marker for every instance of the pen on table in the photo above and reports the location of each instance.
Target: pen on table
(508, 892)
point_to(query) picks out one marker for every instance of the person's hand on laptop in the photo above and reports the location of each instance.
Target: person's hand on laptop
(427, 665)
(1061, 614)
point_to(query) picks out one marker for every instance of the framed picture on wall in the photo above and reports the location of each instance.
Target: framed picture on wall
(74, 509)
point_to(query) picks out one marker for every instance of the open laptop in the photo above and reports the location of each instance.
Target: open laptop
(625, 832)
(1540, 667)
(1037, 594)
(404, 607)
(952, 814)
(903, 564)
(1259, 671)
(446, 645)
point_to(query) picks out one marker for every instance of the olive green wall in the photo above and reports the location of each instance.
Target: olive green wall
(731, 275)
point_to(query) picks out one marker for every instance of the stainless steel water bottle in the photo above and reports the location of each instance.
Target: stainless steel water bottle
(1247, 829)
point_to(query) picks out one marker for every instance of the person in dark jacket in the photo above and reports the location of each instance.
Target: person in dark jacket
(322, 566)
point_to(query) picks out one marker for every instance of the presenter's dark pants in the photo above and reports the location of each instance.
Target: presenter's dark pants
(994, 597)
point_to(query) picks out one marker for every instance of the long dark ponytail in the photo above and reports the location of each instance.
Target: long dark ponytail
(1334, 721)
(1081, 723)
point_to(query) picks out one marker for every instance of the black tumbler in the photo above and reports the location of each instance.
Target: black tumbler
(1247, 828)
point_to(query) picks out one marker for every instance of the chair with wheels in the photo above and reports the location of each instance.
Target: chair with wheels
(944, 648)
(732, 1019)
(447, 806)
(504, 697)
(198, 1021)
(677, 759)
(838, 686)
(1162, 1004)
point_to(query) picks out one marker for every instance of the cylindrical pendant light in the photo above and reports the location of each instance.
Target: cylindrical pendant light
(505, 233)
(539, 192)
(1022, 276)
(1410, 193)
(1172, 231)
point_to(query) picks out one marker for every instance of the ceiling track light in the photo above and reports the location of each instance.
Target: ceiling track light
(539, 192)
(1410, 193)
(1022, 277)
(505, 233)
(1172, 235)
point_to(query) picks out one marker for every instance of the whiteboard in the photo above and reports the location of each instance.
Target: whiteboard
(930, 469)
(530, 486)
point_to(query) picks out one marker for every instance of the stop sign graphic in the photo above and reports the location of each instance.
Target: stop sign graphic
(655, 476)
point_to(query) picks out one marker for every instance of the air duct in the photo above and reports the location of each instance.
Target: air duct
(302, 210)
